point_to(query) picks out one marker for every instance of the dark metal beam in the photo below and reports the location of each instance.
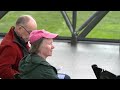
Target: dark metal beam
(88, 21)
(74, 34)
(72, 26)
(93, 23)
(2, 13)
(67, 20)
(74, 17)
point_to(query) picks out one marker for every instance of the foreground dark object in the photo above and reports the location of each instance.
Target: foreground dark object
(103, 74)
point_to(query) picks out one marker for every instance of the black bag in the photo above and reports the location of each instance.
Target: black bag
(107, 75)
(103, 74)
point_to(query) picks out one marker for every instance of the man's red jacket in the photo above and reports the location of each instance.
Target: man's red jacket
(11, 52)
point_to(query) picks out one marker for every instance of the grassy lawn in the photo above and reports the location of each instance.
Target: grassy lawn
(108, 28)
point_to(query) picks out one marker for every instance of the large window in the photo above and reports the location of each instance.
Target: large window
(53, 21)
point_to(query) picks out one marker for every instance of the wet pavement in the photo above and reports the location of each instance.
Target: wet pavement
(77, 61)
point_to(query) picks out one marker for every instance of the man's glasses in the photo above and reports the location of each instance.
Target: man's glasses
(25, 29)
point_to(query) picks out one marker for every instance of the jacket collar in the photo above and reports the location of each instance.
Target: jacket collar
(18, 40)
(39, 60)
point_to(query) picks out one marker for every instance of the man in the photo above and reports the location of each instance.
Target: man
(14, 46)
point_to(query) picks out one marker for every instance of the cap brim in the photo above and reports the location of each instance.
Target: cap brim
(51, 35)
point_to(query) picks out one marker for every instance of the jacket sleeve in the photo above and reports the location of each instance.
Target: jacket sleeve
(8, 57)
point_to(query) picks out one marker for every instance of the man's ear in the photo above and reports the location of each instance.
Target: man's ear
(18, 30)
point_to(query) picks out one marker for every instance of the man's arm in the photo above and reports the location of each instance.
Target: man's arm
(8, 56)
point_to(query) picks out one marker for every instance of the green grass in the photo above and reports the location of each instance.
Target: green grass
(108, 28)
(49, 20)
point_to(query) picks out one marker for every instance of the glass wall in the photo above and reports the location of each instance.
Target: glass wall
(53, 21)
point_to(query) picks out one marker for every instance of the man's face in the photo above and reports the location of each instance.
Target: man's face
(46, 47)
(26, 30)
(25, 33)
